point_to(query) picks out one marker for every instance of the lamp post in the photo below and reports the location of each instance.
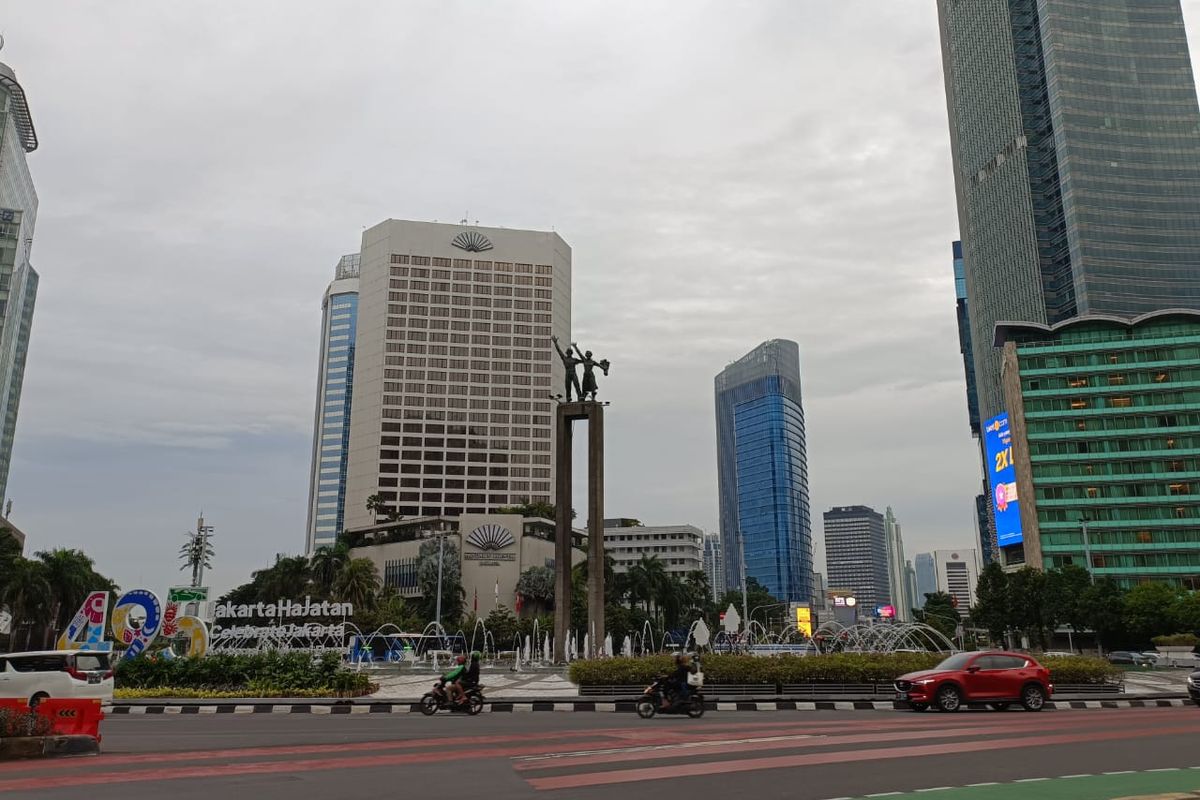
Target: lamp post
(745, 591)
(767, 605)
(441, 557)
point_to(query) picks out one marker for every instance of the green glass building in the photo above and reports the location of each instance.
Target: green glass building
(1105, 420)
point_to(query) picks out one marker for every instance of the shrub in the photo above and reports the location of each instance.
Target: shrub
(17, 724)
(269, 674)
(826, 669)
(1176, 640)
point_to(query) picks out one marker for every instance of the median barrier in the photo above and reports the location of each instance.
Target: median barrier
(73, 717)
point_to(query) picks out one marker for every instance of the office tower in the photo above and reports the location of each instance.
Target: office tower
(1075, 135)
(926, 577)
(714, 565)
(18, 280)
(958, 576)
(898, 588)
(679, 548)
(331, 429)
(762, 471)
(910, 588)
(1101, 428)
(455, 369)
(856, 555)
(818, 592)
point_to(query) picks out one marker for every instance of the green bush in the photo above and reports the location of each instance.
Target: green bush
(1176, 640)
(826, 669)
(17, 724)
(265, 674)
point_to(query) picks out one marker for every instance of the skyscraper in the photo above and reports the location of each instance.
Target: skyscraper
(896, 562)
(927, 579)
(1075, 133)
(454, 369)
(18, 280)
(958, 576)
(856, 555)
(331, 428)
(762, 471)
(714, 564)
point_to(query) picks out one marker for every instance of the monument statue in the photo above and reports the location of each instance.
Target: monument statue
(589, 372)
(570, 361)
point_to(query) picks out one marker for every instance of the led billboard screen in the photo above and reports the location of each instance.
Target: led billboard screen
(1002, 479)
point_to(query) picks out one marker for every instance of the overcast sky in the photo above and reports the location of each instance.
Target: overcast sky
(725, 173)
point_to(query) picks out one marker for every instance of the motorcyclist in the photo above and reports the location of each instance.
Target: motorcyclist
(451, 681)
(678, 682)
(470, 678)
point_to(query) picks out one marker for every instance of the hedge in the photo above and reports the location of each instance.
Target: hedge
(1176, 640)
(270, 674)
(828, 669)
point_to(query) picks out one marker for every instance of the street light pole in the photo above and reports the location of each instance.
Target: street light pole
(1087, 549)
(441, 556)
(745, 589)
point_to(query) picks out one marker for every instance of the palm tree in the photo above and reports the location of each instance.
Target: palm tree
(288, 577)
(357, 583)
(698, 591)
(375, 504)
(647, 579)
(26, 590)
(326, 564)
(71, 574)
(196, 553)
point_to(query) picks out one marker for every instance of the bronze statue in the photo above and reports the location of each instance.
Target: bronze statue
(589, 372)
(570, 361)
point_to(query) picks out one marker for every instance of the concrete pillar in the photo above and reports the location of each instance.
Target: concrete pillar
(562, 536)
(595, 419)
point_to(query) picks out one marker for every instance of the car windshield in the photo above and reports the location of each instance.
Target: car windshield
(956, 661)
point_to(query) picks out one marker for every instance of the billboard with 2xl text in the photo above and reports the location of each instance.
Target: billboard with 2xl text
(1002, 478)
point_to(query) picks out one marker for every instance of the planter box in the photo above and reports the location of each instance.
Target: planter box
(47, 747)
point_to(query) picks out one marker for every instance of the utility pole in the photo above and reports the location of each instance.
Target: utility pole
(441, 556)
(202, 532)
(745, 589)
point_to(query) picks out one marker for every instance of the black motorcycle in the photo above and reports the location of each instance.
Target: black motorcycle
(651, 701)
(439, 699)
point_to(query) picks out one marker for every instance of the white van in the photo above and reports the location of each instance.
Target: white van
(56, 673)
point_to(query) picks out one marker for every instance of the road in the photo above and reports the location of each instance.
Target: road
(582, 756)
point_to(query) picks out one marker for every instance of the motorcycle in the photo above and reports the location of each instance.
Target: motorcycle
(439, 699)
(650, 702)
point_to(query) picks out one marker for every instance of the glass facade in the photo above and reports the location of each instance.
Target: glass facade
(763, 471)
(18, 280)
(1075, 134)
(1112, 435)
(331, 438)
(856, 555)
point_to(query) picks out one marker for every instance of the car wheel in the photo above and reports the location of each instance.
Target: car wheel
(919, 706)
(1033, 698)
(37, 699)
(429, 705)
(999, 706)
(948, 698)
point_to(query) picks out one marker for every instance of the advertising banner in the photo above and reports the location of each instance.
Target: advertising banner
(1002, 479)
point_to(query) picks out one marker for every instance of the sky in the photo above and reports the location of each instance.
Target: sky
(735, 173)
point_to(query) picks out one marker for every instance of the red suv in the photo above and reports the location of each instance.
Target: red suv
(996, 678)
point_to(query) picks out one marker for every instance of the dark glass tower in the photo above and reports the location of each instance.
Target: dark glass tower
(762, 471)
(1075, 134)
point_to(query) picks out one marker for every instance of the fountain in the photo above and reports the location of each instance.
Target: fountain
(627, 646)
(834, 637)
(608, 645)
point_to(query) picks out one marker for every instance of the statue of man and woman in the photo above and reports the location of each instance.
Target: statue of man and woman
(571, 360)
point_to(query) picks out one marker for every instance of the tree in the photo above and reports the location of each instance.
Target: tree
(697, 592)
(993, 604)
(26, 590)
(71, 575)
(1033, 609)
(195, 553)
(1067, 587)
(537, 510)
(502, 624)
(646, 582)
(1186, 613)
(288, 577)
(427, 579)
(757, 595)
(1148, 611)
(1103, 610)
(357, 583)
(326, 564)
(536, 585)
(375, 504)
(940, 613)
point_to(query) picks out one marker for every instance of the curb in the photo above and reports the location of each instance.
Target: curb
(47, 747)
(617, 706)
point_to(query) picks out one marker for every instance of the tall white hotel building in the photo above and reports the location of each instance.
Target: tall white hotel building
(454, 368)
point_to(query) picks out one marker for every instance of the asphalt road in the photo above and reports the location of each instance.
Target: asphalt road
(809, 755)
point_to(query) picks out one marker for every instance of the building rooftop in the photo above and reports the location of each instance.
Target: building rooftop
(1028, 332)
(20, 108)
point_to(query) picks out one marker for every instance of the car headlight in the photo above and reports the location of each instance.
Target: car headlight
(924, 681)
(1192, 681)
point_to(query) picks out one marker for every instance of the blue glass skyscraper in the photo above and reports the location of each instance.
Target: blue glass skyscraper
(762, 471)
(331, 429)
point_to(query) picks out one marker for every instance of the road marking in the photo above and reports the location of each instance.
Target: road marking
(1080, 775)
(660, 747)
(935, 789)
(1120, 772)
(986, 783)
(1165, 769)
(882, 794)
(1030, 780)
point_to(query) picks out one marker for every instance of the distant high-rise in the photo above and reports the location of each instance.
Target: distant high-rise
(958, 576)
(18, 280)
(714, 564)
(1075, 134)
(455, 368)
(331, 429)
(964, 337)
(927, 579)
(856, 555)
(762, 471)
(910, 584)
(898, 588)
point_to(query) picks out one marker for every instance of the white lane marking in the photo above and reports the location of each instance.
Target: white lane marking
(679, 746)
(935, 789)
(987, 783)
(1121, 772)
(882, 794)
(1030, 780)
(1080, 775)
(1165, 769)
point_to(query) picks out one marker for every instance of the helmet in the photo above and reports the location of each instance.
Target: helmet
(460, 660)
(476, 655)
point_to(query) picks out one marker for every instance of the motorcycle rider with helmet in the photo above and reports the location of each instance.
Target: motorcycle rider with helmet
(684, 666)
(451, 681)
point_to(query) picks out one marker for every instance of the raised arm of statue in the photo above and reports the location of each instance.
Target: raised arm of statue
(561, 354)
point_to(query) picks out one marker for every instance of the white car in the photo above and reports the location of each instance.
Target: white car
(34, 676)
